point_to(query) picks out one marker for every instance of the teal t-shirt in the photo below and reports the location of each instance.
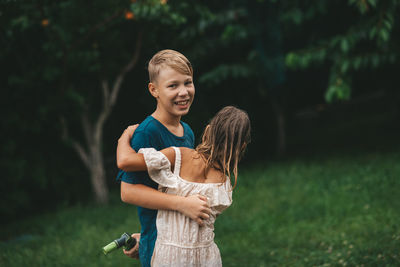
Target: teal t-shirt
(152, 133)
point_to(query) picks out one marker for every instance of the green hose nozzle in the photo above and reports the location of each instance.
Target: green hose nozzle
(126, 241)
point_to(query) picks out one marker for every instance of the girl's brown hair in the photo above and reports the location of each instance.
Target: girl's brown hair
(225, 139)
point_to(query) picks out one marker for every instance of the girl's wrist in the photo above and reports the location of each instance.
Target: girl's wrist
(177, 203)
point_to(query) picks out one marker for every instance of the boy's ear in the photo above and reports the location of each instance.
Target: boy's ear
(153, 90)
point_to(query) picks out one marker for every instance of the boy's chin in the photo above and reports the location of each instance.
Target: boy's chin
(182, 112)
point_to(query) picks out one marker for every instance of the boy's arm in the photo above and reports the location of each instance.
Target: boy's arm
(194, 207)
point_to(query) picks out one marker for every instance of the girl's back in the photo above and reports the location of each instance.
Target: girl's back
(193, 168)
(180, 240)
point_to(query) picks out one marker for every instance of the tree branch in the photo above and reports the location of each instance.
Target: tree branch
(110, 101)
(106, 93)
(66, 49)
(95, 28)
(87, 127)
(127, 68)
(78, 148)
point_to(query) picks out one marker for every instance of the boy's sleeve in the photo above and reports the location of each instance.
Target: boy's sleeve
(138, 141)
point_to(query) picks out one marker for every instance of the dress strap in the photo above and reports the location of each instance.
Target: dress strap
(177, 167)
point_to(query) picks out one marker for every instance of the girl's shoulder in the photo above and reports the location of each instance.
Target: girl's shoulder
(186, 150)
(194, 168)
(187, 154)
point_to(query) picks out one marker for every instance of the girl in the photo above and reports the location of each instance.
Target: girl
(183, 171)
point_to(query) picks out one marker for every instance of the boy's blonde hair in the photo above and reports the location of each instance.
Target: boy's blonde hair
(170, 58)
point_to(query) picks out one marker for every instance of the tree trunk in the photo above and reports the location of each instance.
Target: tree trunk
(92, 156)
(98, 179)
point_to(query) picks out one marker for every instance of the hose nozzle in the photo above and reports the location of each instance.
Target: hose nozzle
(126, 241)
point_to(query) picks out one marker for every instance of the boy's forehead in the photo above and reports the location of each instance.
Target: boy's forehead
(168, 73)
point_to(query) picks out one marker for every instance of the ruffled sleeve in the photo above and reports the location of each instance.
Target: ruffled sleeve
(220, 197)
(159, 168)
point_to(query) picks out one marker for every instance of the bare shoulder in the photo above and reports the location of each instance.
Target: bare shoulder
(187, 153)
(170, 154)
(186, 150)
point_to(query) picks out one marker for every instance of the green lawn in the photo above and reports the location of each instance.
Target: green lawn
(329, 211)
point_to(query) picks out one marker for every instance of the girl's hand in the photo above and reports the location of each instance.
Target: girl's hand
(128, 132)
(127, 158)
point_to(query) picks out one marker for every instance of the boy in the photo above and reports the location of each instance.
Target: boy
(171, 83)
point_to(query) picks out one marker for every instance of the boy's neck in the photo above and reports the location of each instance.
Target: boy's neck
(167, 121)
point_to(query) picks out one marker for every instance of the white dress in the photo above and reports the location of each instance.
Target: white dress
(180, 240)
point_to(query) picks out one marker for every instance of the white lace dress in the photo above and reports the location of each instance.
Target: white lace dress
(180, 240)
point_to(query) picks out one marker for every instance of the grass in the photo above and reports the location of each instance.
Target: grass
(70, 237)
(330, 211)
(335, 211)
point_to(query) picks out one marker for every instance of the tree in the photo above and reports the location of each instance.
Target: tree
(79, 54)
(77, 46)
(79, 37)
(363, 37)
(243, 49)
(257, 37)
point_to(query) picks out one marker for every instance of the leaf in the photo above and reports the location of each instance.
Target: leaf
(372, 2)
(297, 16)
(372, 33)
(344, 45)
(330, 93)
(375, 60)
(291, 60)
(224, 72)
(338, 91)
(344, 66)
(384, 34)
(388, 24)
(320, 55)
(75, 97)
(357, 63)
(22, 22)
(50, 73)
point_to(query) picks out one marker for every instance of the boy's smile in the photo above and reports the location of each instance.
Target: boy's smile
(183, 104)
(174, 92)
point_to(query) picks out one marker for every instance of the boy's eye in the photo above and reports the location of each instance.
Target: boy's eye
(172, 85)
(188, 83)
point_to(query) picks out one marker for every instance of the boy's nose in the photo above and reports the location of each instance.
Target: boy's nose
(183, 90)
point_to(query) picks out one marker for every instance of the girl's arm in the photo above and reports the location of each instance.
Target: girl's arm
(127, 158)
(130, 161)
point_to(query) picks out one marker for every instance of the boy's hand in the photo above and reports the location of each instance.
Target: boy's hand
(195, 207)
(134, 252)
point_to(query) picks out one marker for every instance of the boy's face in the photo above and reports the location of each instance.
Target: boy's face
(174, 92)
